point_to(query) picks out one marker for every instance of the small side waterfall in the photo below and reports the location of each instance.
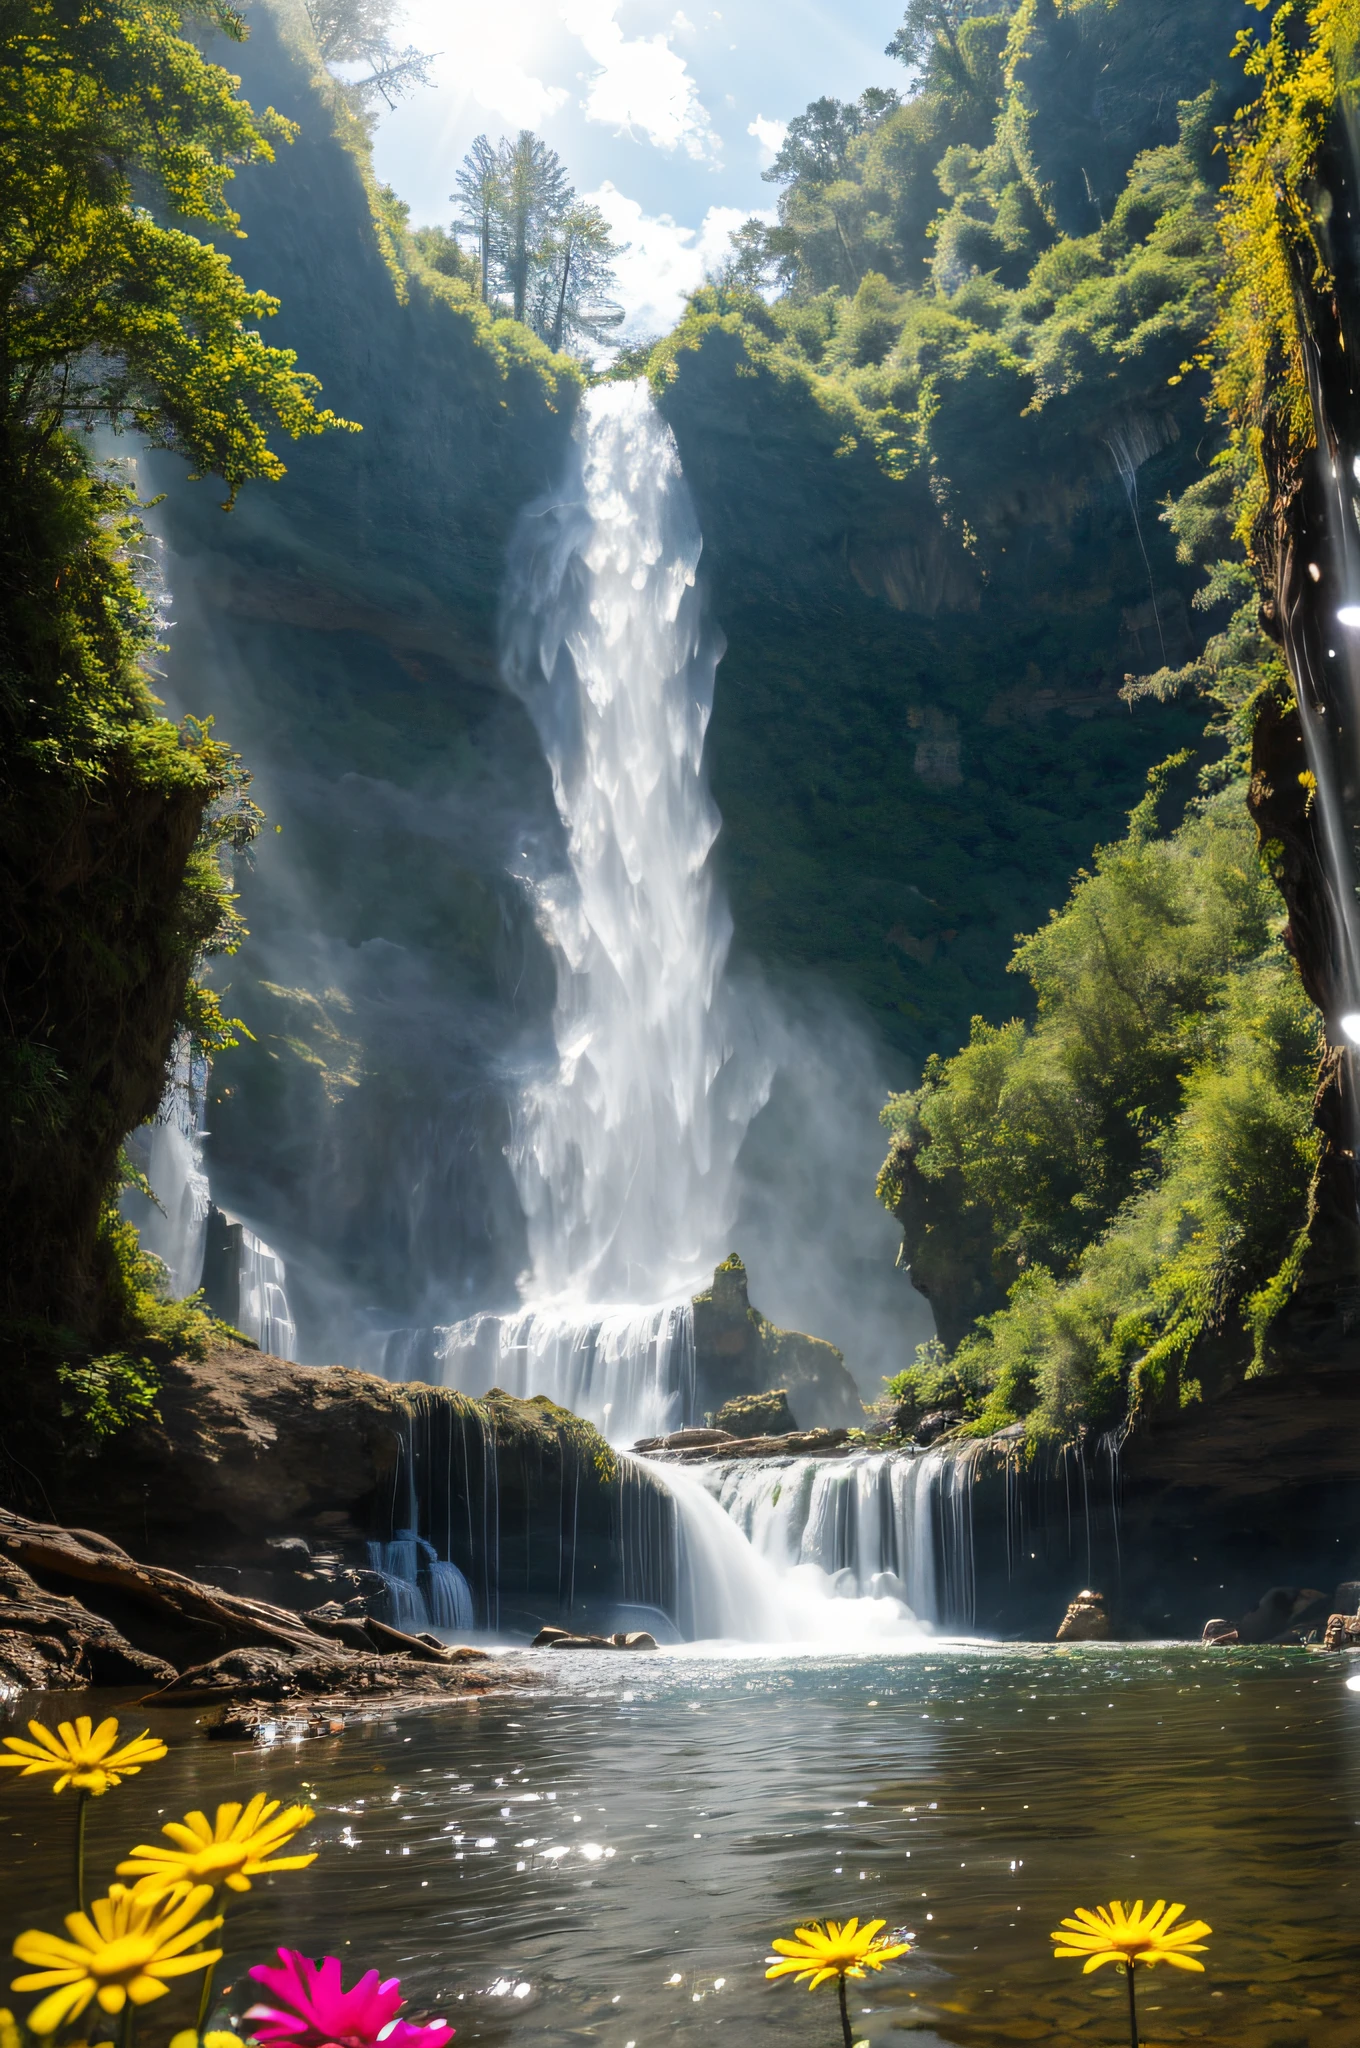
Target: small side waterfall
(242, 1277)
(169, 1151)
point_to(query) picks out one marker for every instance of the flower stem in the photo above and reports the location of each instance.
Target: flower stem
(845, 2016)
(82, 1803)
(205, 2001)
(129, 2026)
(1133, 2009)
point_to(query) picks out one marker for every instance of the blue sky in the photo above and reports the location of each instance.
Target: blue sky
(665, 116)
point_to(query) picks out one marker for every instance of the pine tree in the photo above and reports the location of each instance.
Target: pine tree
(480, 193)
(576, 270)
(536, 198)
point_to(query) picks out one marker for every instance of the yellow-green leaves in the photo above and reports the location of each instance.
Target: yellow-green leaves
(115, 130)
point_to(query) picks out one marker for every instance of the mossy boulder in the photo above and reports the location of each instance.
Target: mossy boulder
(767, 1414)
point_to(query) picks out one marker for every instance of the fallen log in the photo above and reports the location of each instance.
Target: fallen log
(90, 1560)
(49, 1642)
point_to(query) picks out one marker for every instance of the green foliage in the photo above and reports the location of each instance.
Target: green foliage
(1039, 346)
(1274, 239)
(537, 243)
(108, 312)
(118, 828)
(935, 1380)
(1135, 1164)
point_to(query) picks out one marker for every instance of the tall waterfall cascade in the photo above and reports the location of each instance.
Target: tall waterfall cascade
(625, 1150)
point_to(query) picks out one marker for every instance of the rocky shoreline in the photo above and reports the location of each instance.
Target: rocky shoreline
(189, 1644)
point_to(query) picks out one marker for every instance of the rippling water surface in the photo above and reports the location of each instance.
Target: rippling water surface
(607, 1859)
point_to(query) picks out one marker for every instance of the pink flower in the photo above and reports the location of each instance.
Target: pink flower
(314, 2011)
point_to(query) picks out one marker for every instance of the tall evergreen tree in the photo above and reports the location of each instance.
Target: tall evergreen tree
(360, 32)
(536, 197)
(576, 270)
(480, 194)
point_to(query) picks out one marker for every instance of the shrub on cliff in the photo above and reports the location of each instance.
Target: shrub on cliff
(1100, 1204)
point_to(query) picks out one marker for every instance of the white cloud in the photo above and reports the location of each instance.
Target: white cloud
(641, 84)
(486, 67)
(493, 64)
(770, 135)
(663, 261)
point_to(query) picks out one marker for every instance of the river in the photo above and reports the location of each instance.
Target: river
(606, 1859)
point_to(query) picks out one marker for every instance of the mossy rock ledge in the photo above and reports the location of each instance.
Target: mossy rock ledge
(271, 1478)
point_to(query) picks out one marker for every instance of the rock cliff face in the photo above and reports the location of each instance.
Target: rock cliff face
(913, 752)
(738, 1355)
(270, 1480)
(340, 627)
(1303, 543)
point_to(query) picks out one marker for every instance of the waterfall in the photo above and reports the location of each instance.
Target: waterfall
(200, 1245)
(624, 1154)
(630, 1371)
(424, 1591)
(833, 1553)
(169, 1151)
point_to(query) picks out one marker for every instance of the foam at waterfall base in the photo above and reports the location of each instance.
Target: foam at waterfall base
(729, 1590)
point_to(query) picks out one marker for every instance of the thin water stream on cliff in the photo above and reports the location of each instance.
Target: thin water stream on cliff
(607, 1861)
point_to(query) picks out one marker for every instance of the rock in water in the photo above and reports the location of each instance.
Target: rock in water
(1086, 1621)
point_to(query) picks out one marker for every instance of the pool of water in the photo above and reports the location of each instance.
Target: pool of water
(606, 1860)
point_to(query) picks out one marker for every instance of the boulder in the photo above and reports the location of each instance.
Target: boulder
(767, 1414)
(1086, 1620)
(1342, 1632)
(322, 1673)
(1282, 1615)
(1346, 1598)
(936, 1423)
(563, 1639)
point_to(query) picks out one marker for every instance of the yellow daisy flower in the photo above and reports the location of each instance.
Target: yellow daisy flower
(238, 1844)
(83, 1754)
(1122, 1934)
(838, 1949)
(121, 1949)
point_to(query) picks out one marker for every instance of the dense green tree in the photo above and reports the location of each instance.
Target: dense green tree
(107, 312)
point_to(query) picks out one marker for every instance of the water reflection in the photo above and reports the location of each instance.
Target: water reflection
(607, 1861)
